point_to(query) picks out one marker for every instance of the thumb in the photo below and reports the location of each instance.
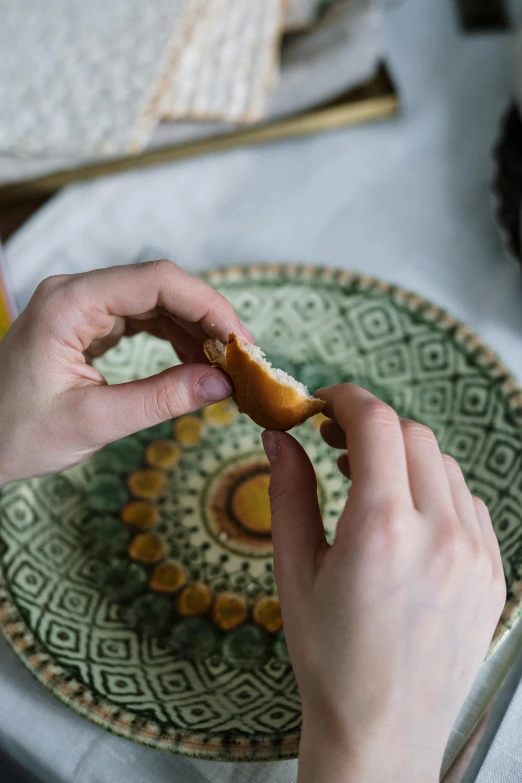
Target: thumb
(297, 526)
(121, 409)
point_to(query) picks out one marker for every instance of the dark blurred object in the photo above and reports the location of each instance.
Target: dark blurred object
(11, 772)
(12, 216)
(507, 182)
(323, 7)
(477, 15)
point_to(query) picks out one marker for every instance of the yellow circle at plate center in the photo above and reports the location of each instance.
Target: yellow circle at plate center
(251, 504)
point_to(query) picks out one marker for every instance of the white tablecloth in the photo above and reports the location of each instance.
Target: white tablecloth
(407, 200)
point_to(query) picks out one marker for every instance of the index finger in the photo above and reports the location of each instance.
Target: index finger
(373, 439)
(141, 288)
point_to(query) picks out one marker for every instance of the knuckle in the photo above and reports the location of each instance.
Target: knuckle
(51, 297)
(391, 512)
(496, 593)
(219, 302)
(414, 431)
(452, 548)
(276, 492)
(50, 285)
(497, 564)
(166, 402)
(388, 526)
(286, 494)
(452, 466)
(280, 498)
(160, 266)
(499, 578)
(481, 507)
(72, 293)
(378, 412)
(218, 308)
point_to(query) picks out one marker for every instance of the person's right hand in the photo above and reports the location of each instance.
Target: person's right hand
(387, 628)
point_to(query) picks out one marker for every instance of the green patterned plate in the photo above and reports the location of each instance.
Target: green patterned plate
(138, 587)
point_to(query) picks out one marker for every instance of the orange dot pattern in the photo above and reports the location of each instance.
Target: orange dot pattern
(139, 513)
(229, 611)
(195, 599)
(168, 577)
(267, 613)
(163, 454)
(147, 548)
(220, 413)
(188, 430)
(148, 484)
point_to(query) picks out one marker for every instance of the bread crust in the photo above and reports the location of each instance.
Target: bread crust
(271, 404)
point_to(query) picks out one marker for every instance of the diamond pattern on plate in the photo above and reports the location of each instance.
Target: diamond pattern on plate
(325, 325)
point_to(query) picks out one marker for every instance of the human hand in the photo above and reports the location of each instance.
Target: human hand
(387, 628)
(56, 409)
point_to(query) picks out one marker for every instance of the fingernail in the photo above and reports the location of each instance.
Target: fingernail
(247, 334)
(213, 387)
(271, 446)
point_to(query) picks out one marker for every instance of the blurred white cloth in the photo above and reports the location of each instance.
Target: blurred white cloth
(407, 200)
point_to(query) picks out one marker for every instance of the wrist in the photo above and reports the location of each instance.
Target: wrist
(320, 759)
(336, 760)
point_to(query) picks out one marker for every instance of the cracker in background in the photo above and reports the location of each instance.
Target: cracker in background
(77, 77)
(228, 63)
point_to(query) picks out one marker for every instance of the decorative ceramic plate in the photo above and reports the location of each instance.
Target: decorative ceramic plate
(507, 180)
(138, 587)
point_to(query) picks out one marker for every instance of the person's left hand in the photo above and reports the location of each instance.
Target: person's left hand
(56, 409)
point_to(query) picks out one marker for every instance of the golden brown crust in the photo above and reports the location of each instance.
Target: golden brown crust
(271, 404)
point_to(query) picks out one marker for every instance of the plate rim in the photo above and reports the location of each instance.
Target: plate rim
(249, 747)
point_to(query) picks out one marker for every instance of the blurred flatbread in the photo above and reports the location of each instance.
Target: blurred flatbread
(342, 51)
(80, 76)
(228, 64)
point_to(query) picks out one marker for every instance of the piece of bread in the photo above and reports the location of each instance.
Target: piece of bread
(271, 397)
